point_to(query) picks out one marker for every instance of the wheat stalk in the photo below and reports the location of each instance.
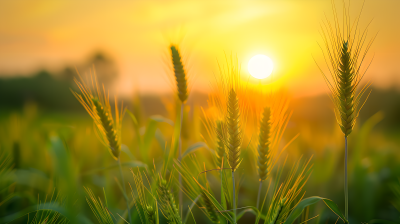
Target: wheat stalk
(182, 87)
(231, 89)
(272, 124)
(167, 202)
(277, 212)
(210, 208)
(345, 52)
(150, 209)
(96, 102)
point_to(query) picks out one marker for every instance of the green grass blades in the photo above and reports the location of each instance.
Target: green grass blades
(195, 185)
(288, 192)
(100, 211)
(298, 209)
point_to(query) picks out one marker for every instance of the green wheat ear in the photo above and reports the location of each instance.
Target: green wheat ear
(234, 131)
(180, 75)
(264, 147)
(151, 214)
(108, 125)
(210, 208)
(346, 90)
(275, 215)
(167, 202)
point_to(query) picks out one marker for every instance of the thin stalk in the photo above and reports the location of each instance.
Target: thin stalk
(346, 187)
(234, 197)
(223, 201)
(180, 158)
(259, 194)
(123, 187)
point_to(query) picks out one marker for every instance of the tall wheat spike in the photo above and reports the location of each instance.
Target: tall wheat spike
(180, 74)
(345, 51)
(273, 119)
(234, 130)
(96, 102)
(264, 146)
(232, 88)
(182, 87)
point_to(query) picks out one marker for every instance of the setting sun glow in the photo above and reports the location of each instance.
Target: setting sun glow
(260, 66)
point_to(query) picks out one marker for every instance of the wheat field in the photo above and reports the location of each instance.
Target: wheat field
(244, 152)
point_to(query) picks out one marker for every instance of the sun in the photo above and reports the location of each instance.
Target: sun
(260, 66)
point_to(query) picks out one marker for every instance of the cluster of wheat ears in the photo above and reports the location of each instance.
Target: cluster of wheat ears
(155, 191)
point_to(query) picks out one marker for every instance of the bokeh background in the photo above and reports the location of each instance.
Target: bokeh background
(44, 43)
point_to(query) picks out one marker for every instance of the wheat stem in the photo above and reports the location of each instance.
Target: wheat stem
(259, 194)
(346, 187)
(123, 187)
(233, 197)
(180, 158)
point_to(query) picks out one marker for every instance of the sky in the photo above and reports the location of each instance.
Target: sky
(48, 34)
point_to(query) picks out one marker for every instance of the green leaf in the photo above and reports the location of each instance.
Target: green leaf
(126, 150)
(160, 118)
(150, 133)
(250, 209)
(136, 126)
(194, 147)
(296, 212)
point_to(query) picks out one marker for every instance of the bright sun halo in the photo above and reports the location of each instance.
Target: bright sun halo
(260, 66)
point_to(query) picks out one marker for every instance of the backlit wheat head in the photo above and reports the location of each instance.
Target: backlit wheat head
(96, 102)
(180, 73)
(345, 48)
(229, 92)
(272, 124)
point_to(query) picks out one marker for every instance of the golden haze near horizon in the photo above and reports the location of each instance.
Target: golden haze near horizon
(52, 34)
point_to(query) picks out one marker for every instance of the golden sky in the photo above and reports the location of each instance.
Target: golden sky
(51, 34)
